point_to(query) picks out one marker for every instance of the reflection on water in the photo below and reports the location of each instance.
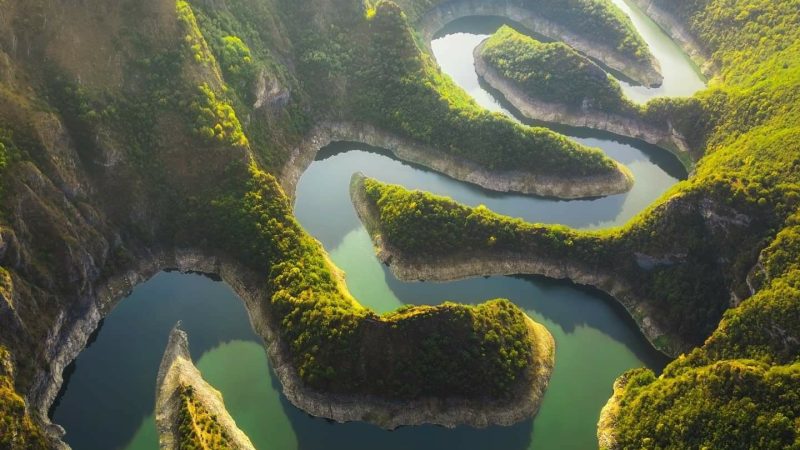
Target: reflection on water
(111, 389)
(682, 78)
(595, 340)
(453, 46)
(337, 162)
(107, 401)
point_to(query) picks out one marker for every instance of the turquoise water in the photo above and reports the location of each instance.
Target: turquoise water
(108, 398)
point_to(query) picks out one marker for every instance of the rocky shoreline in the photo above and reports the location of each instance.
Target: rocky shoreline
(648, 74)
(68, 341)
(177, 369)
(473, 265)
(607, 422)
(666, 137)
(678, 32)
(325, 133)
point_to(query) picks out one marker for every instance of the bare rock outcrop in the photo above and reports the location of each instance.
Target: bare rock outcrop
(646, 72)
(472, 265)
(664, 136)
(176, 373)
(615, 182)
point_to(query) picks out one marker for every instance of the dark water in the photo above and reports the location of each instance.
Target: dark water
(108, 398)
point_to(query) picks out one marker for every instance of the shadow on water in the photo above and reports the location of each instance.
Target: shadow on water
(562, 302)
(314, 433)
(108, 389)
(70, 370)
(488, 25)
(661, 157)
(332, 171)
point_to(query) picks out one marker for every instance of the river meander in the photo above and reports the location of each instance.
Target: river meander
(108, 398)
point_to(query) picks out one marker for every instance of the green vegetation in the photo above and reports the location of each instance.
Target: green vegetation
(197, 428)
(216, 119)
(598, 21)
(247, 39)
(595, 20)
(552, 72)
(736, 404)
(171, 131)
(425, 225)
(153, 168)
(17, 429)
(734, 220)
(399, 89)
(194, 39)
(237, 62)
(339, 346)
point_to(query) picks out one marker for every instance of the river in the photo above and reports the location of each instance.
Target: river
(108, 397)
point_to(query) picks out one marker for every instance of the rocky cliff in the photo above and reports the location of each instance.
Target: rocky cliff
(405, 149)
(664, 136)
(647, 73)
(188, 409)
(480, 264)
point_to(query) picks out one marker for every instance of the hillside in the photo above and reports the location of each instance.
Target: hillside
(190, 413)
(552, 72)
(113, 119)
(714, 260)
(134, 133)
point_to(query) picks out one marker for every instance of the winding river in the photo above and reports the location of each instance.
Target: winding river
(108, 397)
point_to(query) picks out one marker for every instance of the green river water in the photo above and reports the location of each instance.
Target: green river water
(107, 400)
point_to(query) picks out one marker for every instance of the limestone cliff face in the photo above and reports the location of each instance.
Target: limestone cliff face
(472, 265)
(664, 136)
(616, 182)
(606, 425)
(176, 373)
(629, 267)
(648, 74)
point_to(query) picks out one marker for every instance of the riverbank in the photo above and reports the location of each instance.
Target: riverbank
(648, 74)
(606, 424)
(177, 372)
(248, 285)
(472, 265)
(325, 133)
(665, 137)
(680, 34)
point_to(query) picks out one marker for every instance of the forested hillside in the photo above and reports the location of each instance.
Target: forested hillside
(133, 128)
(552, 72)
(725, 278)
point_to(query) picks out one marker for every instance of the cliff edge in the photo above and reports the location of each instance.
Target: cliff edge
(188, 409)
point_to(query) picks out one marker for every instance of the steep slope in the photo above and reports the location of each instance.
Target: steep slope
(190, 413)
(712, 264)
(138, 136)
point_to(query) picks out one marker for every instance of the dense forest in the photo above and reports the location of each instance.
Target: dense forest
(426, 225)
(595, 20)
(185, 103)
(730, 228)
(131, 127)
(339, 346)
(552, 72)
(400, 89)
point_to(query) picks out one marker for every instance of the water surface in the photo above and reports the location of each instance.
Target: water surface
(108, 398)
